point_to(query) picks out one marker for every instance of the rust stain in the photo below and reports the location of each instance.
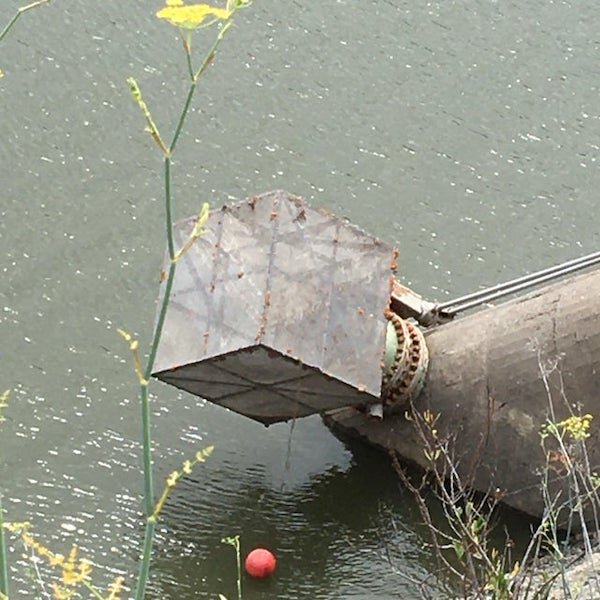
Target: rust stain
(390, 302)
(274, 215)
(361, 311)
(391, 290)
(263, 320)
(394, 265)
(326, 213)
(558, 462)
(163, 275)
(400, 289)
(252, 202)
(499, 494)
(301, 215)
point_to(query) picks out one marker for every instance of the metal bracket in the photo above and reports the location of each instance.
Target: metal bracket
(409, 305)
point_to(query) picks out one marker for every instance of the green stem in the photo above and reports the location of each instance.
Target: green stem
(187, 44)
(183, 115)
(171, 276)
(19, 12)
(142, 580)
(147, 451)
(168, 208)
(92, 589)
(194, 83)
(146, 428)
(213, 50)
(161, 321)
(9, 26)
(3, 557)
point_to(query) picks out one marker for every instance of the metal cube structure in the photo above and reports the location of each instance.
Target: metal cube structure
(277, 311)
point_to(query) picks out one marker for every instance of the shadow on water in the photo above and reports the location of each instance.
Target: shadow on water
(339, 530)
(336, 536)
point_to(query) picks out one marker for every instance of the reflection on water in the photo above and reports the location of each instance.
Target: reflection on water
(332, 532)
(465, 132)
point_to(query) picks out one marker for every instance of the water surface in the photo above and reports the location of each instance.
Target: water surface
(464, 132)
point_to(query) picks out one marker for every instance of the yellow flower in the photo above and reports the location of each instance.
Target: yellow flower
(190, 16)
(173, 478)
(72, 573)
(203, 454)
(577, 427)
(56, 559)
(115, 589)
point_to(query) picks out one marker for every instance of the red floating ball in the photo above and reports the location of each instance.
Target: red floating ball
(260, 563)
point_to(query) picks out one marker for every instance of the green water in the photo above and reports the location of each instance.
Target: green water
(464, 132)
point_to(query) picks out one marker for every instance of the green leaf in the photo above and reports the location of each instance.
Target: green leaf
(459, 549)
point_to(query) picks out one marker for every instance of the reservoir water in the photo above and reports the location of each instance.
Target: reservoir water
(465, 132)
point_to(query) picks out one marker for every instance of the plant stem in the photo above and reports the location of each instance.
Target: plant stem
(168, 208)
(144, 400)
(3, 557)
(183, 115)
(146, 428)
(92, 589)
(239, 569)
(147, 450)
(161, 320)
(145, 562)
(187, 46)
(194, 81)
(146, 425)
(19, 12)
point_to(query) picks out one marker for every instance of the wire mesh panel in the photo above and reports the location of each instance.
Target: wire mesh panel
(277, 311)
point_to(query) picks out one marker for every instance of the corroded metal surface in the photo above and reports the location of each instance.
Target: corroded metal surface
(278, 311)
(405, 378)
(489, 380)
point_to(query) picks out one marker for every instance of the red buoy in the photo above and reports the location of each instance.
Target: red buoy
(260, 563)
